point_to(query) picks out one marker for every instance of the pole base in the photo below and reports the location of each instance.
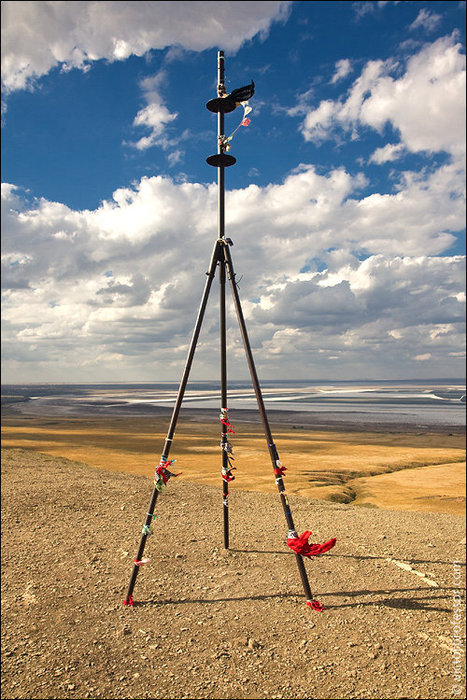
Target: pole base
(221, 160)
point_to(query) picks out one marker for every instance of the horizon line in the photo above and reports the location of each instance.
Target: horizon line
(233, 381)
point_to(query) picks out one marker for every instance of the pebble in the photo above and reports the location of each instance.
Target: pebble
(253, 644)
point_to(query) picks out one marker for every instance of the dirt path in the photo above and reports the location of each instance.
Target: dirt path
(211, 623)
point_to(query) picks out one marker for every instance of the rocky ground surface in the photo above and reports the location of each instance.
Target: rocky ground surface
(209, 622)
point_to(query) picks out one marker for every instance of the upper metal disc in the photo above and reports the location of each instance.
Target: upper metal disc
(221, 160)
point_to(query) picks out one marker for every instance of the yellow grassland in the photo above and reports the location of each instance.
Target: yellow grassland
(401, 471)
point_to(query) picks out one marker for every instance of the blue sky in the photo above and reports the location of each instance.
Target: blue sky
(346, 205)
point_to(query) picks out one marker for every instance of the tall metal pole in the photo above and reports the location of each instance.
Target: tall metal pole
(220, 148)
(222, 324)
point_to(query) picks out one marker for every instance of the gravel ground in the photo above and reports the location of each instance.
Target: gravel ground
(211, 623)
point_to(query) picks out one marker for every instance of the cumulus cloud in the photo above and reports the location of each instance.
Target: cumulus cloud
(113, 290)
(401, 292)
(425, 104)
(39, 36)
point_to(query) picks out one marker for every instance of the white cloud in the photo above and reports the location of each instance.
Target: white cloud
(426, 20)
(343, 68)
(124, 281)
(426, 104)
(387, 153)
(371, 315)
(365, 7)
(38, 36)
(330, 115)
(155, 116)
(316, 212)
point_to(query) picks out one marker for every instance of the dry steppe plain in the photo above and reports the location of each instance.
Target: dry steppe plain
(214, 623)
(388, 468)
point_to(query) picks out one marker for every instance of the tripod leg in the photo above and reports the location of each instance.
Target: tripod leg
(224, 441)
(267, 431)
(216, 255)
(225, 445)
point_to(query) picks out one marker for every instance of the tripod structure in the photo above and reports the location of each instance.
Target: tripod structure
(221, 260)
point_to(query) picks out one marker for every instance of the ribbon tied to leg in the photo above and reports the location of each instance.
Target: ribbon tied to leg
(162, 474)
(227, 473)
(225, 421)
(300, 545)
(279, 469)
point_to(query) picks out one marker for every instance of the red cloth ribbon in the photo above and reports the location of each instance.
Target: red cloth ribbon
(227, 476)
(225, 421)
(300, 545)
(315, 605)
(129, 601)
(163, 471)
(279, 471)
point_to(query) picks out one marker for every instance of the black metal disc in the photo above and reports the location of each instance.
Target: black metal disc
(221, 160)
(221, 104)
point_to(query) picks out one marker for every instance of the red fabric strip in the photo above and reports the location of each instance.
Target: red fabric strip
(300, 545)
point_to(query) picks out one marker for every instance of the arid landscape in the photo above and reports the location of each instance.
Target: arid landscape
(214, 623)
(233, 453)
(388, 468)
